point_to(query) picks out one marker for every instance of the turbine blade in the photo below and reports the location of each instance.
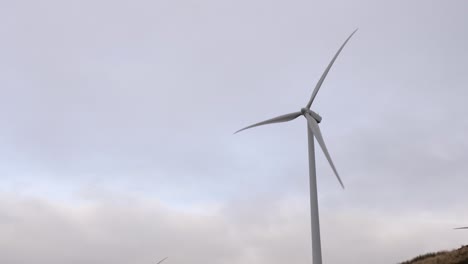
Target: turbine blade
(314, 127)
(319, 83)
(466, 227)
(162, 260)
(278, 119)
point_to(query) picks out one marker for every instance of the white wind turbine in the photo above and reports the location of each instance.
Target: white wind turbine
(161, 261)
(313, 130)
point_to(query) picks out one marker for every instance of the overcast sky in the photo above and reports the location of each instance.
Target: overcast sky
(116, 122)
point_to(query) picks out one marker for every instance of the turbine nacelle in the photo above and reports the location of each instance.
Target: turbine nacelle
(316, 116)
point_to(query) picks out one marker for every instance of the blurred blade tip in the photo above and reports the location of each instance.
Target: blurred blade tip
(162, 260)
(237, 131)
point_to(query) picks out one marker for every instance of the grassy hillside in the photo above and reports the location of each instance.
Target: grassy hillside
(457, 256)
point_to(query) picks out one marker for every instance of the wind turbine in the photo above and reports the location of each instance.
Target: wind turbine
(313, 130)
(161, 261)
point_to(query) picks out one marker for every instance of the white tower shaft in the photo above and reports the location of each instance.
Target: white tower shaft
(314, 210)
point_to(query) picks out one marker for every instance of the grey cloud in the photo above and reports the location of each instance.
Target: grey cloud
(125, 229)
(143, 98)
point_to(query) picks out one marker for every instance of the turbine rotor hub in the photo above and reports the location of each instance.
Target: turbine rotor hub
(304, 110)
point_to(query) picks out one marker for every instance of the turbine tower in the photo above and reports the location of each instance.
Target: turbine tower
(313, 130)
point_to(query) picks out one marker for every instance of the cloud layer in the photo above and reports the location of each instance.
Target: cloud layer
(116, 123)
(128, 230)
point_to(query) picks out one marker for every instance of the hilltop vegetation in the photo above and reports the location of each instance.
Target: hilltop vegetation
(457, 256)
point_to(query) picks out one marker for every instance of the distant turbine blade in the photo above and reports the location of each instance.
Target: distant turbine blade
(314, 127)
(162, 260)
(466, 227)
(279, 119)
(317, 87)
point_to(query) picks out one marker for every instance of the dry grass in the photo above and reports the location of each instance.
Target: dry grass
(457, 256)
